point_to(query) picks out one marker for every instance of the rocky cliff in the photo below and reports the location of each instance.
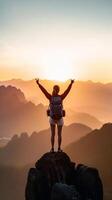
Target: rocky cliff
(56, 177)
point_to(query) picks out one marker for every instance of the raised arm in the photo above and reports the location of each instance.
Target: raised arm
(48, 96)
(67, 90)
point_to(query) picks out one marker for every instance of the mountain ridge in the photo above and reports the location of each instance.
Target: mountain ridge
(24, 149)
(95, 149)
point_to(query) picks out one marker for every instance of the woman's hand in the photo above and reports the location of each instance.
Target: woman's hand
(72, 81)
(37, 81)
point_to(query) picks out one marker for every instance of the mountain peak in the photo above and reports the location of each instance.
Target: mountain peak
(107, 127)
(10, 94)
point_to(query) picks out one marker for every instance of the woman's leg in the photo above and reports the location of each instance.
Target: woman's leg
(52, 136)
(59, 136)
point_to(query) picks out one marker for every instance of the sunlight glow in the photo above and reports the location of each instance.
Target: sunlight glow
(57, 61)
(57, 64)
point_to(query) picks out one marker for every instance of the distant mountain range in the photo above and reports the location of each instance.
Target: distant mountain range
(95, 149)
(24, 149)
(83, 118)
(85, 97)
(18, 114)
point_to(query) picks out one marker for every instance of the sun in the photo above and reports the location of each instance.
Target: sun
(58, 71)
(57, 65)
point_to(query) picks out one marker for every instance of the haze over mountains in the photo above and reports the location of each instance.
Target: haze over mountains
(86, 96)
(17, 114)
(93, 149)
(89, 105)
(26, 149)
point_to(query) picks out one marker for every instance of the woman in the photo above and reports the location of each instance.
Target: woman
(56, 111)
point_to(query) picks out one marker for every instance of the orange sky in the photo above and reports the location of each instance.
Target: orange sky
(56, 40)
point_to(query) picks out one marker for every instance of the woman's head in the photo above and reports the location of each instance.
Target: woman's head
(56, 89)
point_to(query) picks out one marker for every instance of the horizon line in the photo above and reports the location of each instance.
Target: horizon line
(44, 79)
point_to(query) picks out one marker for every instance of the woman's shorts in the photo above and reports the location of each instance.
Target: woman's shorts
(59, 122)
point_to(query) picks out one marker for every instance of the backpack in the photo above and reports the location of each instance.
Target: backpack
(55, 110)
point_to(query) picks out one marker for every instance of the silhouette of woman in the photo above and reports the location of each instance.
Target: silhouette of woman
(55, 106)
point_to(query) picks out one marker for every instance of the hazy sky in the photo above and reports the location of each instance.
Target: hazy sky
(56, 39)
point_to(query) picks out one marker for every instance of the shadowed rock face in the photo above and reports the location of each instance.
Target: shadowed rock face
(55, 177)
(57, 166)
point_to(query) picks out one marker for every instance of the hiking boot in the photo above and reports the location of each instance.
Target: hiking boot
(52, 150)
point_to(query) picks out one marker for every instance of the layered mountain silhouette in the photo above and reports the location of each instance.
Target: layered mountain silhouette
(95, 149)
(83, 118)
(24, 149)
(18, 115)
(87, 96)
